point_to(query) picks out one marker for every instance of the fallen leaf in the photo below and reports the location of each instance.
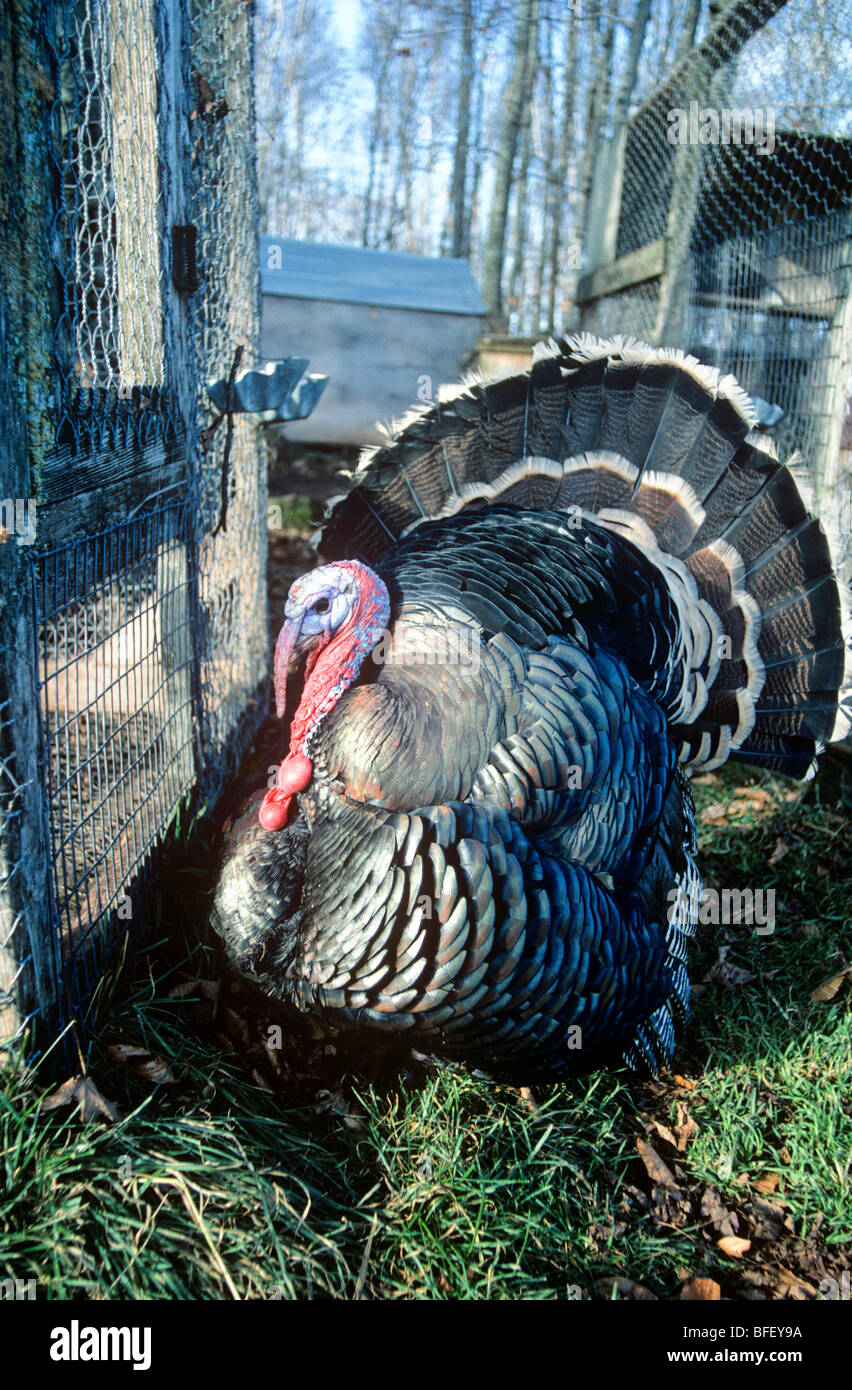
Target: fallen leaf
(768, 1182)
(685, 1128)
(272, 1055)
(528, 1100)
(625, 1288)
(727, 975)
(785, 1155)
(717, 1214)
(154, 1069)
(236, 1027)
(656, 1169)
(183, 990)
(91, 1104)
(827, 990)
(145, 1064)
(796, 1287)
(768, 1220)
(685, 1083)
(707, 1290)
(714, 814)
(335, 1103)
(663, 1133)
(734, 1246)
(781, 849)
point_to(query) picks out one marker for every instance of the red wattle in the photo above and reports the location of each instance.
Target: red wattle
(274, 811)
(294, 774)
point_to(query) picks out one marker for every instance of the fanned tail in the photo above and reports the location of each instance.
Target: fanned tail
(661, 448)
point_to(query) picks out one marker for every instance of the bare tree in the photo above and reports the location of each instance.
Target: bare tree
(492, 270)
(295, 92)
(459, 210)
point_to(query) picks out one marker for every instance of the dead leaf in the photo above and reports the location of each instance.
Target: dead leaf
(780, 851)
(154, 1069)
(785, 1155)
(714, 814)
(91, 1104)
(827, 990)
(686, 1127)
(335, 1102)
(236, 1027)
(146, 1064)
(768, 1182)
(272, 1055)
(793, 1285)
(183, 990)
(706, 1290)
(769, 1220)
(734, 1246)
(528, 1100)
(727, 975)
(663, 1133)
(656, 1169)
(685, 1083)
(713, 1209)
(625, 1288)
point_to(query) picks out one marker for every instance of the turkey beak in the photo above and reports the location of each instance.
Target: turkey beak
(288, 639)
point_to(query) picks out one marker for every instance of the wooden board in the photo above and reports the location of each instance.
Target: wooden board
(379, 361)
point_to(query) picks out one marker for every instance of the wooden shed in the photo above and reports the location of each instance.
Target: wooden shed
(385, 327)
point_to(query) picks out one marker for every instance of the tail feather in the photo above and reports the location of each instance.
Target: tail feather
(661, 448)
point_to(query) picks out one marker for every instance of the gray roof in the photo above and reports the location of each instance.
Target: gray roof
(360, 275)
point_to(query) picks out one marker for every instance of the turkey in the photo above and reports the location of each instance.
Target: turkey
(541, 606)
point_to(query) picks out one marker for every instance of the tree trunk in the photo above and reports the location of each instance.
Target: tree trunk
(495, 245)
(566, 140)
(690, 25)
(520, 190)
(596, 118)
(549, 194)
(460, 157)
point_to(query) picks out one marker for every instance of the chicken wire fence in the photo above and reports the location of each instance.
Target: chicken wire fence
(137, 671)
(732, 237)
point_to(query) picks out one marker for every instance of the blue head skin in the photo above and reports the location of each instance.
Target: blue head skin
(338, 613)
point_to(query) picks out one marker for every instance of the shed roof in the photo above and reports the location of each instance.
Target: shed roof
(361, 275)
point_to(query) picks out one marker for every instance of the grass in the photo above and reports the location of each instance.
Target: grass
(318, 1174)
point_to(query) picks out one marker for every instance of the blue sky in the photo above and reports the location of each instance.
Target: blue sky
(347, 15)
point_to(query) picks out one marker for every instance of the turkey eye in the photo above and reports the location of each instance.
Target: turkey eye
(322, 605)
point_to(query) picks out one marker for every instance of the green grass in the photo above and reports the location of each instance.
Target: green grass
(346, 1179)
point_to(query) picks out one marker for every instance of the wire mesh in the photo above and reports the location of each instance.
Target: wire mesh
(741, 165)
(15, 953)
(115, 685)
(146, 585)
(112, 355)
(231, 477)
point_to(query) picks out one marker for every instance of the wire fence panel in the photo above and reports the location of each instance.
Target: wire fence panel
(734, 237)
(116, 703)
(231, 493)
(141, 602)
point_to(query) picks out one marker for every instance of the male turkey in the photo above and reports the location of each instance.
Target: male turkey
(545, 601)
